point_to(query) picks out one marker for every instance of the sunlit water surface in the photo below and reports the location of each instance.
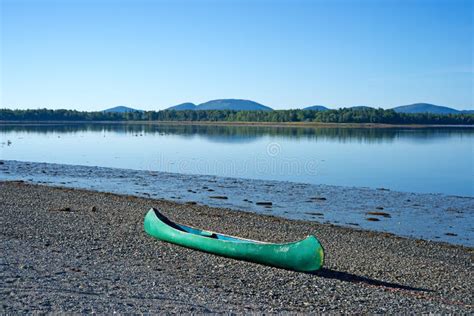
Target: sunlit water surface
(434, 160)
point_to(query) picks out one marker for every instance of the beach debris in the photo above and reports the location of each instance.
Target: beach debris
(264, 203)
(93, 209)
(383, 189)
(315, 213)
(61, 209)
(451, 234)
(220, 197)
(17, 181)
(372, 219)
(454, 210)
(317, 198)
(379, 214)
(190, 203)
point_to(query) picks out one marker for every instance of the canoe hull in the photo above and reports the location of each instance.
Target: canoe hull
(305, 255)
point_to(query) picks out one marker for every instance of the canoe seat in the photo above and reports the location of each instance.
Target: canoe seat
(208, 234)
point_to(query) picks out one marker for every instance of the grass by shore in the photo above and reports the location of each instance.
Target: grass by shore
(67, 250)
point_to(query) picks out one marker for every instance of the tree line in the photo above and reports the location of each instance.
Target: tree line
(345, 115)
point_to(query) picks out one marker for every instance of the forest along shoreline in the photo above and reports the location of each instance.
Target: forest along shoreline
(78, 250)
(225, 123)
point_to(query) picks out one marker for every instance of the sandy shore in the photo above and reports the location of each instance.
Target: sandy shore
(68, 250)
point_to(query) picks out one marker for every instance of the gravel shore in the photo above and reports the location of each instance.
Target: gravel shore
(70, 250)
(436, 217)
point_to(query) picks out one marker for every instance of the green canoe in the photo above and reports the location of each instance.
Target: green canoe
(305, 255)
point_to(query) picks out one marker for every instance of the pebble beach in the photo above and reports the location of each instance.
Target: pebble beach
(80, 251)
(436, 217)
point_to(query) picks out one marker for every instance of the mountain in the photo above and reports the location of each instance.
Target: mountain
(233, 104)
(361, 107)
(426, 108)
(316, 108)
(223, 104)
(121, 109)
(247, 105)
(183, 106)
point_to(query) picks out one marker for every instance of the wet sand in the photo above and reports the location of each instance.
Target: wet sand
(70, 250)
(437, 217)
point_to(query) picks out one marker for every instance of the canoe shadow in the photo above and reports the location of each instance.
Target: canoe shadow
(353, 278)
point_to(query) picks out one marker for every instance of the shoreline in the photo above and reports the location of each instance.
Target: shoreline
(74, 250)
(469, 249)
(428, 216)
(256, 124)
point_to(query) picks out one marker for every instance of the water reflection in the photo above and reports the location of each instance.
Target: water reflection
(405, 159)
(243, 134)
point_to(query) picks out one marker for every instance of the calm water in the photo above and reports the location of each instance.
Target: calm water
(438, 160)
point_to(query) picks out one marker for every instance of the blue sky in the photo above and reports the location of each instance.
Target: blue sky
(92, 55)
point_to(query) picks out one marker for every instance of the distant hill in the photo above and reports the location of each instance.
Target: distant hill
(361, 107)
(121, 109)
(183, 106)
(248, 105)
(233, 104)
(426, 108)
(316, 108)
(224, 104)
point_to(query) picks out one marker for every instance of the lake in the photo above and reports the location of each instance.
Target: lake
(423, 160)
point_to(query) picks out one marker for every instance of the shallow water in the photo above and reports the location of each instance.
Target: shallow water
(433, 160)
(428, 216)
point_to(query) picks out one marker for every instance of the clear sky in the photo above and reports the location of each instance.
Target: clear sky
(91, 55)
